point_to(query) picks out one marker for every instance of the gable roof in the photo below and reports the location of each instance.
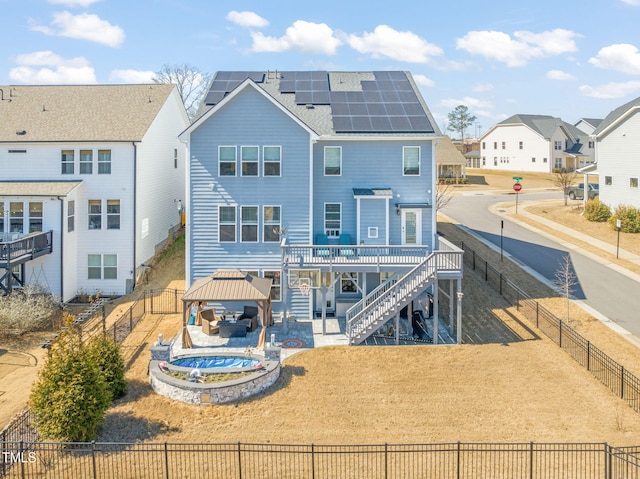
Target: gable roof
(337, 103)
(79, 112)
(448, 154)
(616, 115)
(545, 126)
(594, 122)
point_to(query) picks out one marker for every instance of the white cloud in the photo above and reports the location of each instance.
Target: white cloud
(635, 3)
(482, 87)
(307, 37)
(73, 3)
(559, 75)
(48, 68)
(611, 90)
(621, 57)
(247, 19)
(384, 41)
(469, 102)
(132, 76)
(524, 46)
(84, 26)
(422, 80)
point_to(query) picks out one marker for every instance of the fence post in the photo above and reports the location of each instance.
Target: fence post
(21, 455)
(166, 461)
(152, 295)
(313, 462)
(621, 382)
(537, 315)
(239, 462)
(560, 334)
(500, 284)
(608, 461)
(131, 319)
(175, 300)
(588, 355)
(93, 459)
(458, 461)
(386, 461)
(517, 299)
(531, 460)
(474, 259)
(486, 270)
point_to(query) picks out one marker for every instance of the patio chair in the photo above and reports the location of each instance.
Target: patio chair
(322, 239)
(210, 321)
(345, 239)
(250, 313)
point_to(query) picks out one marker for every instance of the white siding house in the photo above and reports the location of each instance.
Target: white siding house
(535, 143)
(98, 166)
(617, 152)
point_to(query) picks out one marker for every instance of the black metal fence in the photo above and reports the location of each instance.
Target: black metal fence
(608, 371)
(262, 461)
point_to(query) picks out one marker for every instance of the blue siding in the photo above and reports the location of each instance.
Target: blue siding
(373, 214)
(373, 164)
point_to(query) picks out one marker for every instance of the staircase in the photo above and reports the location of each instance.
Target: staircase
(383, 303)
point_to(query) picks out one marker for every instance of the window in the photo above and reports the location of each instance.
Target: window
(633, 182)
(484, 145)
(484, 161)
(227, 224)
(67, 162)
(557, 163)
(495, 161)
(521, 145)
(504, 145)
(249, 156)
(71, 216)
(495, 145)
(35, 217)
(271, 160)
(411, 160)
(104, 162)
(544, 160)
(175, 158)
(249, 224)
(113, 214)
(332, 218)
(557, 145)
(591, 144)
(102, 266)
(1, 218)
(16, 217)
(95, 214)
(332, 160)
(86, 162)
(271, 220)
(372, 232)
(275, 284)
(533, 160)
(608, 180)
(348, 283)
(227, 161)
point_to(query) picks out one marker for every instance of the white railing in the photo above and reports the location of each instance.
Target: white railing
(371, 297)
(320, 255)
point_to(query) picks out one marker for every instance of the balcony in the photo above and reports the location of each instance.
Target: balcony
(14, 252)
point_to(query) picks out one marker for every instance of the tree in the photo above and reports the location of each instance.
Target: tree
(564, 179)
(460, 119)
(191, 82)
(565, 279)
(443, 195)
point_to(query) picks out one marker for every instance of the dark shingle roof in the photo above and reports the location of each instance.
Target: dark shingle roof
(616, 114)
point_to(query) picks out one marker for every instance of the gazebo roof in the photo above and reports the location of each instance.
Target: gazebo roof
(229, 285)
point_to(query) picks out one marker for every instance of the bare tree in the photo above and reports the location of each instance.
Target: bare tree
(565, 279)
(563, 180)
(443, 195)
(191, 82)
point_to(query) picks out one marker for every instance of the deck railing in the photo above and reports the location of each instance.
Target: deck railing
(31, 245)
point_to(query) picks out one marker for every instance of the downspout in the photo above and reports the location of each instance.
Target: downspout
(135, 202)
(61, 198)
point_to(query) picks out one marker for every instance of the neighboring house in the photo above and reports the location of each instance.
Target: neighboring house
(588, 125)
(317, 178)
(451, 163)
(92, 179)
(535, 143)
(617, 151)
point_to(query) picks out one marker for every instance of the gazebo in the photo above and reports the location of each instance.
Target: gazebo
(228, 285)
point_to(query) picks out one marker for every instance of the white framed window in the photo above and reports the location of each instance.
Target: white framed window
(271, 224)
(102, 266)
(544, 160)
(67, 162)
(71, 216)
(349, 283)
(249, 159)
(113, 214)
(175, 158)
(372, 232)
(86, 162)
(227, 161)
(633, 182)
(557, 163)
(484, 145)
(557, 145)
(95, 214)
(608, 180)
(249, 224)
(271, 160)
(495, 145)
(16, 217)
(411, 160)
(275, 285)
(533, 160)
(332, 219)
(227, 224)
(104, 162)
(332, 161)
(35, 217)
(504, 145)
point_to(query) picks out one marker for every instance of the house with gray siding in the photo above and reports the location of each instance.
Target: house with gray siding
(323, 182)
(92, 179)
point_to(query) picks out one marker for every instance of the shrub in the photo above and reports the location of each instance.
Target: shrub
(595, 210)
(71, 396)
(629, 219)
(28, 309)
(106, 353)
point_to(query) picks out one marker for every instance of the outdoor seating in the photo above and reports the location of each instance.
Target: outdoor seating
(250, 313)
(322, 239)
(210, 321)
(345, 239)
(233, 329)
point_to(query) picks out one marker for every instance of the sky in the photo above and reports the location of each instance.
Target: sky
(566, 58)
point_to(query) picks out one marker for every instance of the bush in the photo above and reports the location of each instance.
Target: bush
(629, 219)
(71, 396)
(106, 354)
(28, 309)
(595, 210)
(453, 181)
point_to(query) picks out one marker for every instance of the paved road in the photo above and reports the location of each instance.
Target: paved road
(610, 293)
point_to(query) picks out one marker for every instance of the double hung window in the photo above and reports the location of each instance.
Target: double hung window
(411, 160)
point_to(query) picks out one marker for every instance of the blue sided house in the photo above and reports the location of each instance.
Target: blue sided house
(324, 182)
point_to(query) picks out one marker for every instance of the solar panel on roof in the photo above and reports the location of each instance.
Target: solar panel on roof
(342, 124)
(380, 123)
(361, 123)
(400, 123)
(358, 109)
(376, 109)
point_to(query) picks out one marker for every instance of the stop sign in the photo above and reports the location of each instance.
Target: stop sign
(517, 187)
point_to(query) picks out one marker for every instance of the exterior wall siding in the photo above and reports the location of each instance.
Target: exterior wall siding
(373, 214)
(512, 158)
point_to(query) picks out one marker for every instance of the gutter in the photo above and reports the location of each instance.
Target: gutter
(135, 202)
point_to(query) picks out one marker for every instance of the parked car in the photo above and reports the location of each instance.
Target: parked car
(577, 191)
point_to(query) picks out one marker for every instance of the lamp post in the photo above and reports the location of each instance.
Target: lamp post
(618, 225)
(460, 295)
